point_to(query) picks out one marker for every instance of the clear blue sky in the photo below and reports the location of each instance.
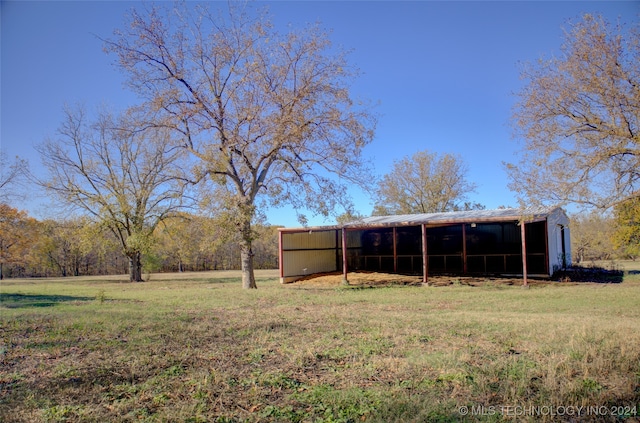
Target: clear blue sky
(444, 74)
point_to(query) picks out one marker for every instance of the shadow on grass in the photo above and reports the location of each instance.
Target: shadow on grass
(35, 300)
(590, 274)
(224, 280)
(236, 280)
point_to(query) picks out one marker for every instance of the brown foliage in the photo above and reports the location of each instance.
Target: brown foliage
(16, 235)
(579, 115)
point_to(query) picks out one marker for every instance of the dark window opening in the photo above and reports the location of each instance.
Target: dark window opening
(492, 248)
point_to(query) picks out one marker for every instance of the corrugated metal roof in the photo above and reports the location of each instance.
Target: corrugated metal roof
(470, 216)
(453, 217)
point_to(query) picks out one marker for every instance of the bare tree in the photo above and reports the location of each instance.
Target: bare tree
(268, 115)
(10, 175)
(425, 183)
(125, 177)
(579, 115)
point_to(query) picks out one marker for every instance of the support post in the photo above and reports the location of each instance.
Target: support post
(425, 263)
(524, 254)
(464, 249)
(280, 256)
(345, 281)
(395, 250)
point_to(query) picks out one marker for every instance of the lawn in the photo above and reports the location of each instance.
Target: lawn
(195, 347)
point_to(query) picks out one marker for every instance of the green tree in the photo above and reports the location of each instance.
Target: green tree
(127, 179)
(579, 116)
(268, 115)
(627, 227)
(425, 183)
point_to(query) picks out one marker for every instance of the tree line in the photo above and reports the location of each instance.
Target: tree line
(80, 246)
(189, 242)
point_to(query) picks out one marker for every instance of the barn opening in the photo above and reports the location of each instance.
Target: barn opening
(470, 242)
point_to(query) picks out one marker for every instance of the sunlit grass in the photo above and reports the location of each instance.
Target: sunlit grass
(196, 347)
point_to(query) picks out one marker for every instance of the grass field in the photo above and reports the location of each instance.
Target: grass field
(195, 347)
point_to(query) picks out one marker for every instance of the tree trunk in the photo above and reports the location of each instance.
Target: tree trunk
(246, 253)
(135, 267)
(246, 257)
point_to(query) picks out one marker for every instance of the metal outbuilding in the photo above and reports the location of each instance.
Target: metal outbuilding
(523, 242)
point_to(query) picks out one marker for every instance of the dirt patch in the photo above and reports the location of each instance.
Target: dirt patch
(375, 279)
(576, 274)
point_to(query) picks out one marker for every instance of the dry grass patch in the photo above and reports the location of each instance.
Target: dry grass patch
(379, 279)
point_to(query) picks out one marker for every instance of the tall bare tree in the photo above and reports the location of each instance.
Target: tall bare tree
(268, 115)
(579, 115)
(425, 183)
(126, 177)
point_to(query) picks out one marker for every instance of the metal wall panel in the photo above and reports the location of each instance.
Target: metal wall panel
(309, 240)
(558, 221)
(306, 262)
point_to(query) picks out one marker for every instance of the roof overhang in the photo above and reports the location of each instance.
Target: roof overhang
(438, 219)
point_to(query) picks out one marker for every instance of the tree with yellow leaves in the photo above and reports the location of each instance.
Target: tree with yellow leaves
(124, 175)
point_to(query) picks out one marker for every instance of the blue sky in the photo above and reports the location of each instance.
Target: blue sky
(444, 74)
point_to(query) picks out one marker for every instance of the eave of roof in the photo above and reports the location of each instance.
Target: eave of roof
(438, 219)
